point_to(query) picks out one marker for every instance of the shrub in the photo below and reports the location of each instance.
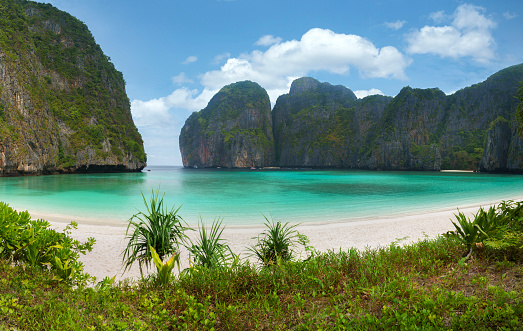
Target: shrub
(208, 250)
(164, 269)
(500, 229)
(33, 242)
(160, 228)
(276, 243)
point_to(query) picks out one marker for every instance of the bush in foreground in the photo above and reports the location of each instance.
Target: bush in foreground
(34, 243)
(418, 286)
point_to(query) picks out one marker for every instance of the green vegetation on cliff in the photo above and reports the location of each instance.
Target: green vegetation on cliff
(234, 130)
(325, 126)
(57, 78)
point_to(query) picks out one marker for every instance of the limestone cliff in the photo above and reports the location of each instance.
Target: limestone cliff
(63, 105)
(324, 126)
(233, 131)
(313, 123)
(419, 129)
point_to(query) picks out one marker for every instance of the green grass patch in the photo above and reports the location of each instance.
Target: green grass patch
(425, 285)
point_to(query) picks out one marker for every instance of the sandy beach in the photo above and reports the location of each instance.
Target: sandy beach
(106, 258)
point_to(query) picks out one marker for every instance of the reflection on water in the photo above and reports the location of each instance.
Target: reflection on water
(241, 196)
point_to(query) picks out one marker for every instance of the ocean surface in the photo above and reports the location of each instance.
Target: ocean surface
(243, 197)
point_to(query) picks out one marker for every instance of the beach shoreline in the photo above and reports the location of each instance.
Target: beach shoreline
(106, 259)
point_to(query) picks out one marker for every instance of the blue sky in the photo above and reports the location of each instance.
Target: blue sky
(175, 55)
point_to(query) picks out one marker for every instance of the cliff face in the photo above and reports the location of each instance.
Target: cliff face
(63, 105)
(311, 124)
(233, 131)
(325, 126)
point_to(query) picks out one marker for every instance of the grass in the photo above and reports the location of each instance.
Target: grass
(418, 286)
(421, 286)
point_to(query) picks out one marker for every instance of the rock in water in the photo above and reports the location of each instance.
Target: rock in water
(63, 105)
(233, 131)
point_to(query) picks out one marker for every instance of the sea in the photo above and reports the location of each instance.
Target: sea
(251, 197)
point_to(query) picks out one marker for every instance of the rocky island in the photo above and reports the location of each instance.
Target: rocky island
(233, 131)
(318, 125)
(63, 105)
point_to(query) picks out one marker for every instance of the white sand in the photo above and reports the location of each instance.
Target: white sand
(106, 258)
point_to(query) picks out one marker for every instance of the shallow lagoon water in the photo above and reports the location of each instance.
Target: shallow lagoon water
(242, 197)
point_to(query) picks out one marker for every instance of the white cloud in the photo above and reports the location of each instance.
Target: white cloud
(274, 69)
(395, 25)
(190, 59)
(318, 50)
(468, 35)
(181, 79)
(268, 40)
(165, 111)
(509, 16)
(364, 93)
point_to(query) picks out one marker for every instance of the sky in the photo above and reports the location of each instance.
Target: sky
(175, 55)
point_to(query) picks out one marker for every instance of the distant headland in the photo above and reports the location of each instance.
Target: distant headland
(318, 125)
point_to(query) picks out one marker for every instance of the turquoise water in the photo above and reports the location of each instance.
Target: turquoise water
(241, 197)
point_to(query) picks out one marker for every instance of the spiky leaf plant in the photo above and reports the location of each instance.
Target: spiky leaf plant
(208, 250)
(276, 243)
(158, 227)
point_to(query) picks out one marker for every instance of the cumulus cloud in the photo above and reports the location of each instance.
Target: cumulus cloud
(169, 110)
(190, 59)
(181, 79)
(395, 25)
(317, 50)
(268, 40)
(364, 93)
(468, 35)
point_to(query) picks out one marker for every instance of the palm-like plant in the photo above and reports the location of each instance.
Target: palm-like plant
(158, 227)
(208, 250)
(484, 225)
(276, 243)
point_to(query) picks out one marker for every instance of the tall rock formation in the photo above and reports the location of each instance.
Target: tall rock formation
(233, 131)
(404, 135)
(313, 123)
(324, 126)
(63, 105)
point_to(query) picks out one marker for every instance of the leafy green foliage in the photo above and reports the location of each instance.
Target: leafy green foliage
(475, 231)
(158, 227)
(500, 230)
(276, 243)
(33, 242)
(417, 286)
(413, 286)
(164, 269)
(208, 250)
(519, 110)
(85, 91)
